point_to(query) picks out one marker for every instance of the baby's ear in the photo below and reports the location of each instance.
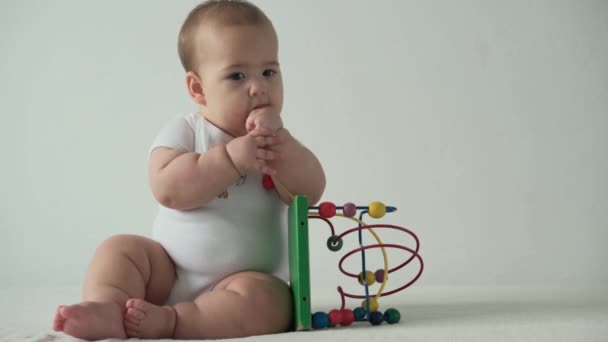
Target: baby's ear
(195, 88)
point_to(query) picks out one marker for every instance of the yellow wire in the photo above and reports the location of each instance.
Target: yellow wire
(384, 256)
(381, 248)
(281, 187)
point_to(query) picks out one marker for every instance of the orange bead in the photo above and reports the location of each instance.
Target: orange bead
(370, 278)
(373, 304)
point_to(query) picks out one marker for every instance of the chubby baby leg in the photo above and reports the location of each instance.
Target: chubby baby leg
(243, 304)
(123, 267)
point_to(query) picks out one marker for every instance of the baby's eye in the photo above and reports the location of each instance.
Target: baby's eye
(268, 72)
(237, 76)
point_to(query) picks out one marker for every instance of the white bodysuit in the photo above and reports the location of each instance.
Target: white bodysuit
(241, 230)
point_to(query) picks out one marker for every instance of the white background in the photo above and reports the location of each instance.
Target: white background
(485, 122)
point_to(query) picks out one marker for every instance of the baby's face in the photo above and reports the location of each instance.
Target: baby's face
(240, 72)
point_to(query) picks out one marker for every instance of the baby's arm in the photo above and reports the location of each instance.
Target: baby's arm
(186, 180)
(299, 170)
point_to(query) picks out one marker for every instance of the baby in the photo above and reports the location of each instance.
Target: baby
(211, 269)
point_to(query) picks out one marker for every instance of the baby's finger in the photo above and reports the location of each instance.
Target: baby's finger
(267, 141)
(262, 131)
(263, 141)
(265, 154)
(263, 167)
(267, 170)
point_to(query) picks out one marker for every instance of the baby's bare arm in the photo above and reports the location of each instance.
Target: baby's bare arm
(299, 170)
(186, 180)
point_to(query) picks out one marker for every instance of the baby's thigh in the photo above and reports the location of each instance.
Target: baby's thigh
(267, 295)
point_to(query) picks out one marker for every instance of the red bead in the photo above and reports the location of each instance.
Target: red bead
(335, 317)
(348, 317)
(267, 182)
(327, 210)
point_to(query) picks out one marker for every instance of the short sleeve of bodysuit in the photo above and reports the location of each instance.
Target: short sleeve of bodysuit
(178, 134)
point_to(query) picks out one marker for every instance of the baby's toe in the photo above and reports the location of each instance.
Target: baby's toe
(136, 304)
(58, 321)
(135, 314)
(132, 329)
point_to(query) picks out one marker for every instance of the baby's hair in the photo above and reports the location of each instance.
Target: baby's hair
(223, 12)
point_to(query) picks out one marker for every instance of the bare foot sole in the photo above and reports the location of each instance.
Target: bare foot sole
(90, 320)
(145, 320)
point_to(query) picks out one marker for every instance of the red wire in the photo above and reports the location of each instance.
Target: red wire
(384, 226)
(341, 297)
(414, 255)
(331, 226)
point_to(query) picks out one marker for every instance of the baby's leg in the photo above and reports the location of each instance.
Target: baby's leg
(243, 304)
(124, 266)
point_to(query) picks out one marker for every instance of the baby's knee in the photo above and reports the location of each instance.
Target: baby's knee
(269, 303)
(120, 243)
(135, 249)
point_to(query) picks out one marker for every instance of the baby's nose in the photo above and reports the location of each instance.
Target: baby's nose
(258, 87)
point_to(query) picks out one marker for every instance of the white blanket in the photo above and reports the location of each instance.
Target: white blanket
(428, 314)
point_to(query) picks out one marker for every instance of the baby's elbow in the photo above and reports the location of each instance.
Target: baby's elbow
(163, 194)
(314, 199)
(317, 193)
(175, 202)
(164, 199)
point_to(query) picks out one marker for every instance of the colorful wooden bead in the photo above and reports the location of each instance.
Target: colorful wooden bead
(267, 182)
(350, 209)
(370, 278)
(376, 318)
(392, 316)
(373, 304)
(327, 210)
(348, 317)
(359, 314)
(335, 317)
(320, 320)
(377, 209)
(334, 244)
(380, 275)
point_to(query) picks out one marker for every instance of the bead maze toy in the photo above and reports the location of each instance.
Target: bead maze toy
(299, 214)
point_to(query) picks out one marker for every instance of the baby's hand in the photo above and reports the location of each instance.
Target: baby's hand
(263, 118)
(254, 150)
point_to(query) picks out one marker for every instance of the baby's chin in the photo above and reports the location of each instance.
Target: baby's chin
(238, 132)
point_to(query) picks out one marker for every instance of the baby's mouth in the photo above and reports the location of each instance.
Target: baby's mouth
(260, 106)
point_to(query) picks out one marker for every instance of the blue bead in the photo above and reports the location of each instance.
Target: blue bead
(376, 318)
(320, 320)
(359, 314)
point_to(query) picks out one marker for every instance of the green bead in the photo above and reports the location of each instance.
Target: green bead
(333, 245)
(392, 316)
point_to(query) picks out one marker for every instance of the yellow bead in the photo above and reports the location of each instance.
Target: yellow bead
(370, 277)
(373, 304)
(377, 210)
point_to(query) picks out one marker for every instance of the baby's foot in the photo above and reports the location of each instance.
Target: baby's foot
(90, 320)
(145, 320)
